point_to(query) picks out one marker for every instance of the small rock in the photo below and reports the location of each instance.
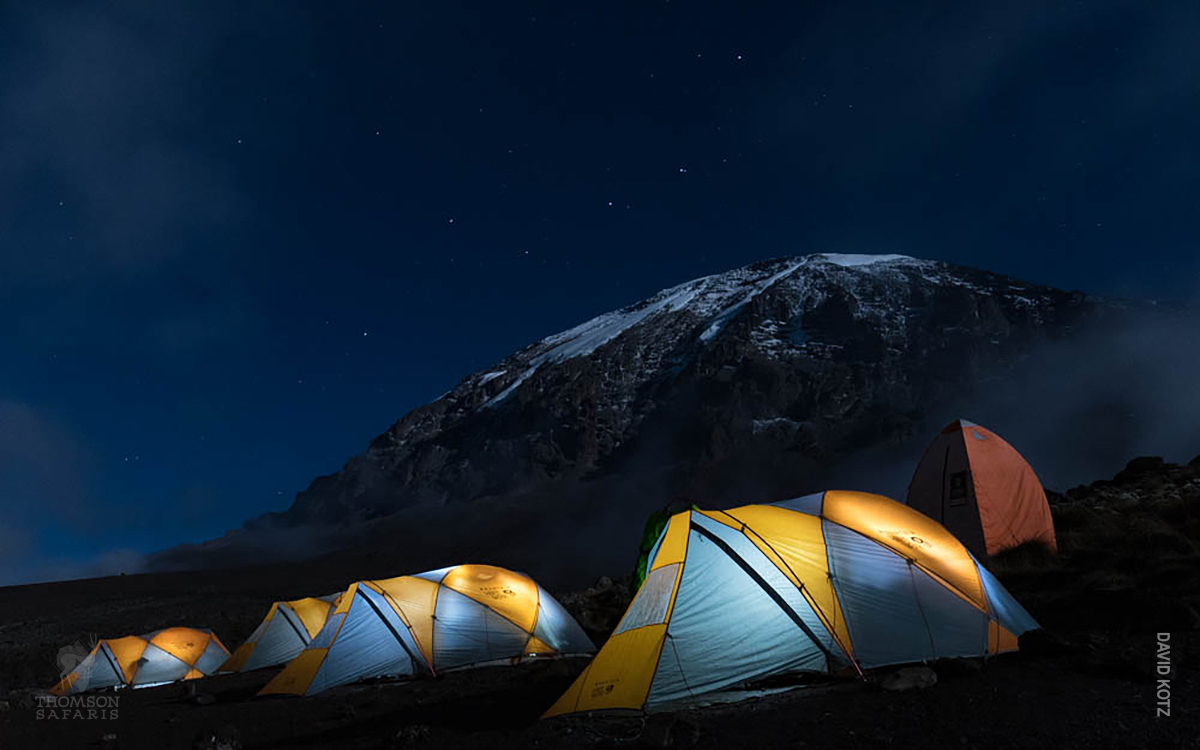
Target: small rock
(1124, 501)
(409, 736)
(4, 706)
(226, 738)
(909, 678)
(204, 699)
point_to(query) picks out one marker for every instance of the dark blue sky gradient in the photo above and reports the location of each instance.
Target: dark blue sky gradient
(203, 211)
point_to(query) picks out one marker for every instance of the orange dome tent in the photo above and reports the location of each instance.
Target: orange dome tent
(977, 486)
(287, 630)
(452, 618)
(146, 660)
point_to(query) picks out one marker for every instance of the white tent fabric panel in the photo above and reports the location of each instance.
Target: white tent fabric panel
(395, 625)
(810, 504)
(957, 628)
(650, 604)
(654, 550)
(775, 578)
(328, 631)
(435, 575)
(466, 632)
(279, 642)
(725, 629)
(157, 666)
(1007, 610)
(96, 671)
(212, 658)
(365, 647)
(557, 629)
(878, 599)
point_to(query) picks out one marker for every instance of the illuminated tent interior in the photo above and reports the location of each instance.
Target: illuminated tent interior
(146, 660)
(980, 488)
(467, 615)
(836, 582)
(286, 630)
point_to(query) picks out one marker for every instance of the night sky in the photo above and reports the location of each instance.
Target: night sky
(239, 240)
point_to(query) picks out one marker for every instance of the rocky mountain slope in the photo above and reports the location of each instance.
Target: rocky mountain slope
(750, 383)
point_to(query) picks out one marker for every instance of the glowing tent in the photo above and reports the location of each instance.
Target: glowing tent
(286, 630)
(467, 615)
(977, 486)
(833, 582)
(146, 660)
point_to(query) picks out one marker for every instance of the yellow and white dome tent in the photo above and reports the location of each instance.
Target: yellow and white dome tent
(466, 615)
(829, 582)
(286, 630)
(146, 660)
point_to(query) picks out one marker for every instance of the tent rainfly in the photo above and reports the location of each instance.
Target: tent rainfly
(466, 615)
(836, 582)
(980, 488)
(286, 630)
(146, 660)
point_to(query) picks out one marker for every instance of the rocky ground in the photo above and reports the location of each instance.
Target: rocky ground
(1128, 569)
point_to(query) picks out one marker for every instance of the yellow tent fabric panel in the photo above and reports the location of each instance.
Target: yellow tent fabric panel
(679, 528)
(620, 675)
(509, 594)
(298, 674)
(128, 650)
(795, 544)
(184, 644)
(414, 599)
(536, 646)
(193, 674)
(911, 534)
(238, 660)
(312, 613)
(345, 600)
(65, 683)
(674, 545)
(1000, 639)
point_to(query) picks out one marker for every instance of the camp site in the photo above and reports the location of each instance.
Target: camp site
(622, 375)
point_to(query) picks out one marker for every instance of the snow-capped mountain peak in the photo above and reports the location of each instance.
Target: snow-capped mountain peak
(785, 357)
